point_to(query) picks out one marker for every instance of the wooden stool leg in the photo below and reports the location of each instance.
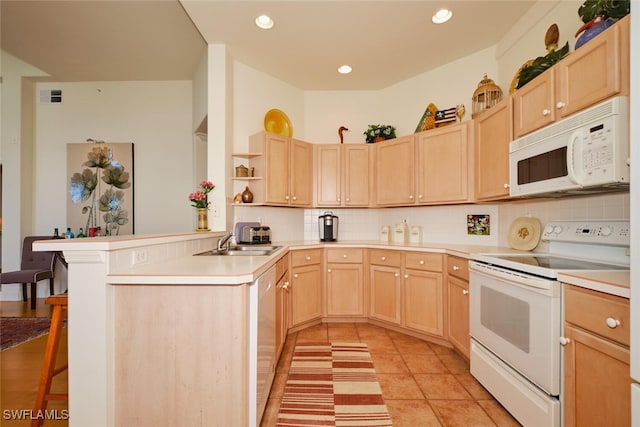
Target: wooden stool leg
(49, 367)
(51, 286)
(24, 292)
(34, 287)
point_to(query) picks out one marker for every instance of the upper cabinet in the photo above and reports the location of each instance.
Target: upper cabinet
(596, 71)
(286, 165)
(343, 175)
(492, 136)
(395, 172)
(443, 165)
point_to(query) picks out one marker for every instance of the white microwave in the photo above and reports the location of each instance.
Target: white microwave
(587, 152)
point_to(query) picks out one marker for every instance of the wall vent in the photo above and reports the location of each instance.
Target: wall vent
(52, 96)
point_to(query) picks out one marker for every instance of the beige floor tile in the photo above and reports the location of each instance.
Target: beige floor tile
(380, 344)
(412, 413)
(385, 363)
(409, 345)
(343, 334)
(498, 414)
(461, 413)
(441, 386)
(455, 363)
(366, 330)
(474, 388)
(399, 386)
(440, 349)
(317, 333)
(424, 364)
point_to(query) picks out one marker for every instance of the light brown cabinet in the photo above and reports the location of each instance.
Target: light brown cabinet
(384, 282)
(343, 174)
(282, 303)
(492, 135)
(345, 282)
(305, 285)
(395, 172)
(286, 164)
(596, 71)
(423, 299)
(597, 383)
(458, 304)
(444, 174)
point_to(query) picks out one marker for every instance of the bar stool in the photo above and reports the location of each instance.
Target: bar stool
(49, 370)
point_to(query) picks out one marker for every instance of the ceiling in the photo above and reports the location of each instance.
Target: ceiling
(385, 41)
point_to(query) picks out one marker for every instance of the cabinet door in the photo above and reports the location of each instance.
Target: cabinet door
(597, 70)
(596, 380)
(358, 173)
(533, 104)
(458, 297)
(282, 312)
(276, 157)
(443, 165)
(328, 174)
(385, 293)
(306, 294)
(395, 172)
(345, 287)
(301, 173)
(423, 309)
(492, 136)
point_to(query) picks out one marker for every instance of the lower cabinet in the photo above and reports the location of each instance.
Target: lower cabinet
(305, 285)
(345, 282)
(423, 308)
(458, 304)
(384, 282)
(597, 383)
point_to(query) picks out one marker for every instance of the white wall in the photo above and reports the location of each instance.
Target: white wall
(155, 116)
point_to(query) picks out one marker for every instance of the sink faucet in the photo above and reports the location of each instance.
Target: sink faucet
(224, 240)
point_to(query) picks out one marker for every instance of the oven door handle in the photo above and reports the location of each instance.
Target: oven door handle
(530, 281)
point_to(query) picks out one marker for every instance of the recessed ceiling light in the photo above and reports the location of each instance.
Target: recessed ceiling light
(264, 22)
(344, 69)
(441, 16)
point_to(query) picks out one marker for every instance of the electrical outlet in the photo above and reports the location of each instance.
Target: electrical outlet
(140, 256)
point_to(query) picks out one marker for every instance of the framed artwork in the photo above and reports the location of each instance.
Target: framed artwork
(478, 225)
(100, 188)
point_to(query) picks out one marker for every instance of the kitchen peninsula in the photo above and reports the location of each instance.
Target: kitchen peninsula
(160, 337)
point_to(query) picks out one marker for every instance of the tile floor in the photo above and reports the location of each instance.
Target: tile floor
(423, 384)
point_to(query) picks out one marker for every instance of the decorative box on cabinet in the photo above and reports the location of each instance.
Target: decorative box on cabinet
(443, 173)
(345, 282)
(305, 285)
(597, 383)
(286, 165)
(492, 135)
(596, 71)
(343, 175)
(458, 303)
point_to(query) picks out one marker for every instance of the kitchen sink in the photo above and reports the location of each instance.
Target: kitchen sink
(243, 250)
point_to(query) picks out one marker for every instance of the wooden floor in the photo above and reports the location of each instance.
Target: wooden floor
(20, 372)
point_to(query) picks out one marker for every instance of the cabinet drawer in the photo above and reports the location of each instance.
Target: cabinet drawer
(598, 312)
(382, 257)
(423, 261)
(306, 257)
(458, 267)
(345, 255)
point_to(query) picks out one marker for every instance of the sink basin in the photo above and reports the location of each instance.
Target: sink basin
(243, 251)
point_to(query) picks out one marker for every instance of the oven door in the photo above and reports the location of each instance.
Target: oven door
(517, 317)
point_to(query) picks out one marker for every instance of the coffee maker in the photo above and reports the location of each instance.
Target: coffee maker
(328, 227)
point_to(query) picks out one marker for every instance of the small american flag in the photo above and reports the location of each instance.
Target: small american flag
(446, 116)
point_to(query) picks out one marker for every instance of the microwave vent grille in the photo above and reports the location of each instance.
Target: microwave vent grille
(617, 105)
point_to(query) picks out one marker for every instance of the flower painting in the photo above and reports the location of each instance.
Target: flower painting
(100, 187)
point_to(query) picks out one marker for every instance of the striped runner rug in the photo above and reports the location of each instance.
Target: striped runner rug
(332, 384)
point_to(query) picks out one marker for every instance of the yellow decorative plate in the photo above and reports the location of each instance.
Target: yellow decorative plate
(276, 121)
(524, 233)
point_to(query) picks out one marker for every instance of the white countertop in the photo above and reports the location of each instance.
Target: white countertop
(614, 282)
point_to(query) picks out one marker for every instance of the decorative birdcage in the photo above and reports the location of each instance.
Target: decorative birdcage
(485, 96)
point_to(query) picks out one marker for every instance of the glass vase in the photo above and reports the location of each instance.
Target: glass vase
(203, 219)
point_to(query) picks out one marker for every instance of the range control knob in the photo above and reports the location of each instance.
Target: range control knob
(606, 231)
(557, 229)
(548, 229)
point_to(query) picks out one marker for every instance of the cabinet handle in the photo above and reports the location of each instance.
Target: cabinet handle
(560, 105)
(348, 199)
(456, 268)
(328, 270)
(285, 285)
(295, 198)
(506, 185)
(546, 112)
(564, 341)
(411, 197)
(345, 256)
(421, 262)
(406, 276)
(397, 274)
(465, 292)
(308, 258)
(419, 196)
(383, 258)
(612, 323)
(295, 276)
(286, 197)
